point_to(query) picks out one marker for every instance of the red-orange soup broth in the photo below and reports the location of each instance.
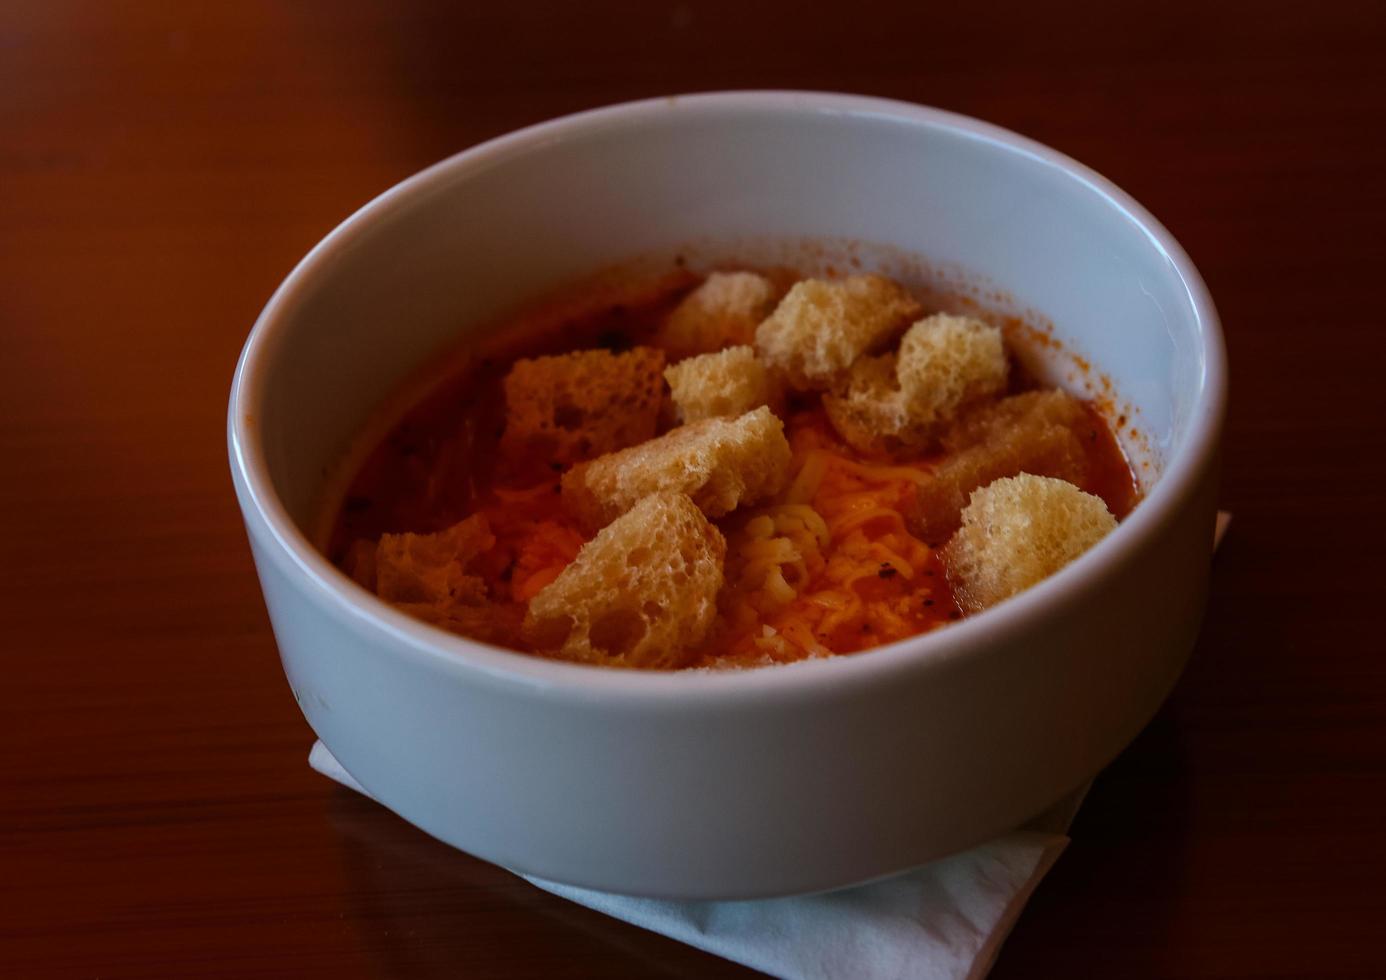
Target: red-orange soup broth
(860, 577)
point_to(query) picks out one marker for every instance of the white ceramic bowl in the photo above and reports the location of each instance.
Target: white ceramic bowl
(769, 782)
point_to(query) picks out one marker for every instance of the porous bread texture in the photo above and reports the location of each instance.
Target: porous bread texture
(869, 411)
(489, 622)
(1017, 531)
(722, 312)
(432, 569)
(728, 383)
(900, 401)
(719, 463)
(359, 563)
(822, 326)
(577, 406)
(1038, 432)
(642, 593)
(948, 362)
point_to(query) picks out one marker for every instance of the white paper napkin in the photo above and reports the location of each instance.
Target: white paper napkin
(944, 921)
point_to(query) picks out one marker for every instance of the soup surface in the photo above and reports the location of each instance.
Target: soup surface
(844, 553)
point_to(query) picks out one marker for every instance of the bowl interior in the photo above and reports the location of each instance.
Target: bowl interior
(488, 231)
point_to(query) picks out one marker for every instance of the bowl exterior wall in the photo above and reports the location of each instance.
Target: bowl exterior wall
(763, 795)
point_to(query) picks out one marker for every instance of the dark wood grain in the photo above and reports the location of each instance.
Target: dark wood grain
(162, 166)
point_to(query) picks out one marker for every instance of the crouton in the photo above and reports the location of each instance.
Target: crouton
(821, 327)
(490, 622)
(1038, 432)
(722, 312)
(901, 401)
(642, 593)
(948, 362)
(581, 405)
(729, 383)
(870, 412)
(719, 463)
(1020, 414)
(432, 569)
(1017, 531)
(359, 562)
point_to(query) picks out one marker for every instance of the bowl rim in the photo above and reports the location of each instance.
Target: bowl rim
(267, 518)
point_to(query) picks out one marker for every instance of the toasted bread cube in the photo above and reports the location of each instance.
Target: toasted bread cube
(642, 593)
(821, 327)
(901, 401)
(719, 463)
(948, 362)
(359, 563)
(432, 569)
(1038, 432)
(1017, 416)
(1017, 531)
(728, 383)
(722, 312)
(870, 412)
(581, 405)
(489, 622)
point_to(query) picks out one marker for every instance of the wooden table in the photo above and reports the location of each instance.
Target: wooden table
(162, 167)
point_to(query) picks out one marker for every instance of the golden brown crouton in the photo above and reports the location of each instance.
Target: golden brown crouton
(433, 568)
(1036, 432)
(723, 311)
(901, 401)
(720, 463)
(949, 362)
(870, 412)
(1017, 531)
(822, 326)
(1020, 414)
(728, 383)
(359, 562)
(489, 622)
(642, 593)
(577, 406)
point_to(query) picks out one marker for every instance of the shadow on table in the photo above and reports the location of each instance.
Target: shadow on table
(1125, 869)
